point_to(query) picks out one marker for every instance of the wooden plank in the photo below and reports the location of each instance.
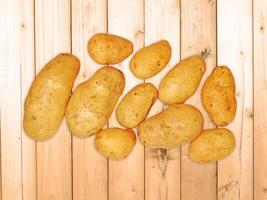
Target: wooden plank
(126, 178)
(260, 99)
(52, 21)
(11, 145)
(162, 168)
(89, 167)
(235, 173)
(198, 34)
(27, 60)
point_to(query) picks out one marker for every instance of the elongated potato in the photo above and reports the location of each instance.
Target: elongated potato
(93, 101)
(115, 143)
(151, 59)
(136, 104)
(48, 96)
(109, 49)
(182, 80)
(218, 96)
(212, 145)
(172, 127)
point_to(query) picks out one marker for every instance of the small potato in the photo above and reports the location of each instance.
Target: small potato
(151, 59)
(93, 101)
(218, 96)
(136, 104)
(109, 49)
(182, 80)
(172, 127)
(48, 96)
(115, 143)
(212, 145)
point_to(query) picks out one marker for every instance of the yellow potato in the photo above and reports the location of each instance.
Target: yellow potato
(136, 104)
(109, 49)
(48, 96)
(182, 80)
(115, 143)
(212, 145)
(151, 59)
(218, 96)
(172, 127)
(93, 101)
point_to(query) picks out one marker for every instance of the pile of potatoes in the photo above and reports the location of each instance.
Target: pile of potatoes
(88, 108)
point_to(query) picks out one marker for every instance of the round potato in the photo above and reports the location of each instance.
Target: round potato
(115, 143)
(151, 59)
(172, 127)
(218, 96)
(212, 145)
(136, 104)
(109, 49)
(93, 101)
(48, 96)
(182, 80)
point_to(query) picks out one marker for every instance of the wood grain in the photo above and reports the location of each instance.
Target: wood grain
(89, 167)
(27, 63)
(126, 177)
(52, 22)
(198, 36)
(11, 144)
(235, 173)
(162, 168)
(260, 99)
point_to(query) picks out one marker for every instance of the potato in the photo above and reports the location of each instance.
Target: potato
(182, 80)
(218, 96)
(172, 127)
(115, 143)
(109, 49)
(151, 59)
(212, 145)
(136, 104)
(93, 101)
(48, 96)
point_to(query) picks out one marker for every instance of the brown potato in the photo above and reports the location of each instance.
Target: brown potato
(218, 96)
(182, 80)
(93, 101)
(109, 49)
(172, 127)
(48, 96)
(115, 143)
(136, 104)
(151, 59)
(212, 145)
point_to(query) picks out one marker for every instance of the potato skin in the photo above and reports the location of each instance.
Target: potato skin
(136, 104)
(93, 101)
(115, 143)
(109, 49)
(218, 96)
(48, 96)
(151, 59)
(182, 80)
(172, 127)
(212, 145)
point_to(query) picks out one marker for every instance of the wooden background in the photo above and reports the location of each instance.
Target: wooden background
(233, 32)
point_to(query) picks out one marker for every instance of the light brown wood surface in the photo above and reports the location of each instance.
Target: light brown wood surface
(228, 32)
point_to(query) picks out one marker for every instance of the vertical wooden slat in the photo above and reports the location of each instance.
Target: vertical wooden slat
(89, 167)
(198, 36)
(53, 156)
(27, 59)
(10, 99)
(126, 178)
(162, 168)
(234, 22)
(260, 99)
